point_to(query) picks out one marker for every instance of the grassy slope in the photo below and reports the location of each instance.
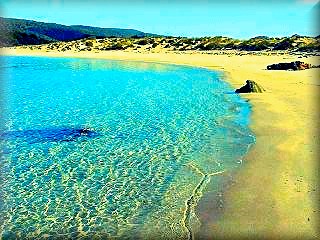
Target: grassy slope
(25, 32)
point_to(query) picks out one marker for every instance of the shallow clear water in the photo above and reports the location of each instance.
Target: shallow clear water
(96, 148)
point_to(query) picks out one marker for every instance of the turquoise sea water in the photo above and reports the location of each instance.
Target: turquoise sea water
(112, 149)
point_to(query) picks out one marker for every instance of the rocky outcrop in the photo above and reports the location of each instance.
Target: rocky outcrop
(315, 66)
(297, 65)
(251, 86)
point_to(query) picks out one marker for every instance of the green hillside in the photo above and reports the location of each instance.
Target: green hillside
(15, 32)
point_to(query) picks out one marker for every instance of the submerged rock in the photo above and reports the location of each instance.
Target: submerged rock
(251, 86)
(297, 65)
(55, 134)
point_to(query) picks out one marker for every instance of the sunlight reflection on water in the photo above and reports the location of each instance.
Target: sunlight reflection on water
(153, 124)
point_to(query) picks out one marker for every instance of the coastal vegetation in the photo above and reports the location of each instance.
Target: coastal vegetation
(16, 32)
(207, 44)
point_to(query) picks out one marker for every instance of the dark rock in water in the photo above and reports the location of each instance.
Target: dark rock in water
(297, 65)
(49, 135)
(251, 86)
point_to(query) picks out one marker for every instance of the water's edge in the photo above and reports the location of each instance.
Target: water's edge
(191, 221)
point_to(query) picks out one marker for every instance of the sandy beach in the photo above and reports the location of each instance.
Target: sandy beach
(275, 195)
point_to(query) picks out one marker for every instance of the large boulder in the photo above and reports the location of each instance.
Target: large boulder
(297, 65)
(251, 86)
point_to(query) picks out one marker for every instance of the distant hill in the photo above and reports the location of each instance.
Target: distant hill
(15, 32)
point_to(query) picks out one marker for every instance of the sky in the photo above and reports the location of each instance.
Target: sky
(189, 18)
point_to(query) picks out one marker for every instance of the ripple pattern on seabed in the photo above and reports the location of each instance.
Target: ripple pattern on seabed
(104, 149)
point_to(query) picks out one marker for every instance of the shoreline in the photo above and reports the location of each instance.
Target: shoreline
(275, 194)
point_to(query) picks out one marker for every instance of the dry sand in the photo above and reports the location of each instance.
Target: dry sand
(276, 194)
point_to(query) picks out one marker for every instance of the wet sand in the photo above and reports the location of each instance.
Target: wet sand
(275, 195)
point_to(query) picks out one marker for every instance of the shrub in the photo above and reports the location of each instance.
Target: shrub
(142, 42)
(309, 47)
(89, 44)
(284, 44)
(253, 47)
(187, 40)
(115, 46)
(177, 44)
(255, 44)
(230, 45)
(212, 46)
(201, 46)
